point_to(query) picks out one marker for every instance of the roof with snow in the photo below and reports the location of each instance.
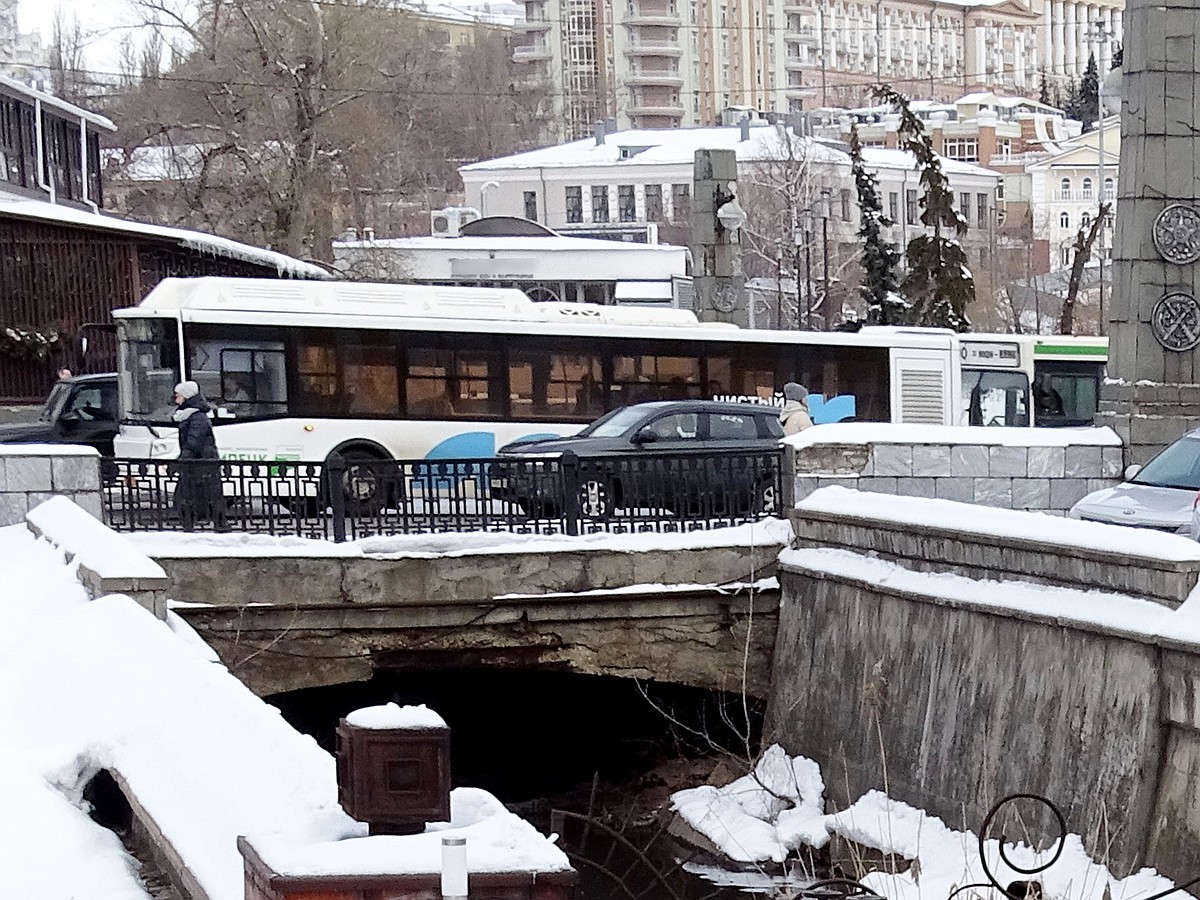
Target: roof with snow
(62, 107)
(678, 146)
(526, 243)
(192, 240)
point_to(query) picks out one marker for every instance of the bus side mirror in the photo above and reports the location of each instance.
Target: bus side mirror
(1131, 472)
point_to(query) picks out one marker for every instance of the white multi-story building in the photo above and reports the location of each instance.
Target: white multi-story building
(663, 63)
(23, 57)
(645, 176)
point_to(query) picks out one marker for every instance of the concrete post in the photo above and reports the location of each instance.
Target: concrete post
(1155, 317)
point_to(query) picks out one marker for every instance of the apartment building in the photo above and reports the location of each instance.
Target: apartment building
(667, 63)
(23, 56)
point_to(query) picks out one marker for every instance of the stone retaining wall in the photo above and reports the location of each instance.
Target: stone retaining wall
(1032, 477)
(33, 473)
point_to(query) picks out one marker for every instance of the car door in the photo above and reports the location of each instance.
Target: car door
(90, 417)
(678, 437)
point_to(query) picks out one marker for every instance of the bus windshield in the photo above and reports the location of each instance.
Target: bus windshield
(148, 367)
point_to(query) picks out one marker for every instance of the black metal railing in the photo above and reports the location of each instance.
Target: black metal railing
(346, 499)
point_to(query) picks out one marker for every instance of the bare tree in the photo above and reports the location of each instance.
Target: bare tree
(66, 57)
(1084, 241)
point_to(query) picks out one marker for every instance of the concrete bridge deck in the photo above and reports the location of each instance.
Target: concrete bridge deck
(682, 608)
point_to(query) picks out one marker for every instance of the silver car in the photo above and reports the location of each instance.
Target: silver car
(1159, 495)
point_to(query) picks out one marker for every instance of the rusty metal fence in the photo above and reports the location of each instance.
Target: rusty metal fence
(343, 500)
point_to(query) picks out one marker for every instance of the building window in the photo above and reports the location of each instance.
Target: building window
(531, 206)
(600, 203)
(681, 202)
(1064, 220)
(1084, 221)
(910, 207)
(574, 205)
(964, 207)
(961, 149)
(654, 203)
(626, 204)
(1000, 189)
(981, 206)
(1109, 188)
(894, 207)
(844, 196)
(1064, 189)
(1087, 189)
(1064, 255)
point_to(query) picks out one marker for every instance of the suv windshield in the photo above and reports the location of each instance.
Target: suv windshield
(1176, 467)
(54, 403)
(616, 423)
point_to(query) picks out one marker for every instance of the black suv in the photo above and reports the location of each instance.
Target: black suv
(79, 410)
(692, 457)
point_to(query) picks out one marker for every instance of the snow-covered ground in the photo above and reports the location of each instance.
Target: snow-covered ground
(103, 684)
(766, 816)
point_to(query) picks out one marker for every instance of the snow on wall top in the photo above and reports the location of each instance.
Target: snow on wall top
(889, 433)
(192, 240)
(969, 518)
(89, 543)
(392, 716)
(1131, 616)
(429, 546)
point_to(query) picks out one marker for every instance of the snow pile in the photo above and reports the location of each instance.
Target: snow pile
(97, 685)
(970, 518)
(87, 542)
(973, 435)
(769, 814)
(763, 815)
(391, 716)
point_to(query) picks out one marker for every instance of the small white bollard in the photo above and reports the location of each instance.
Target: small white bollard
(454, 868)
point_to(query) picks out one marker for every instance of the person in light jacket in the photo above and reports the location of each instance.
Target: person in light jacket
(198, 495)
(794, 416)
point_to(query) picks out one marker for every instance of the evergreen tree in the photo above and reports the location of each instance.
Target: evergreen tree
(938, 284)
(1117, 58)
(879, 289)
(1044, 91)
(1089, 94)
(1070, 100)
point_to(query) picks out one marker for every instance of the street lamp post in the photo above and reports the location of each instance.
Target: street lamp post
(826, 193)
(1098, 36)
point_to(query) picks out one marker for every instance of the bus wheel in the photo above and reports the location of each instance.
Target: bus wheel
(363, 483)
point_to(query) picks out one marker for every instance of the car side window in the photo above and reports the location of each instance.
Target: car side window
(89, 403)
(677, 427)
(732, 427)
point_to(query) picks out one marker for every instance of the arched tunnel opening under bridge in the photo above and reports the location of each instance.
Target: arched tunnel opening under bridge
(528, 735)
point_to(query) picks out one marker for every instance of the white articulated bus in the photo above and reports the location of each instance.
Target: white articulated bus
(301, 370)
(1031, 379)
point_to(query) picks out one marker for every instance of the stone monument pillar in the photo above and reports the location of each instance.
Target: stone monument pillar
(718, 282)
(1153, 394)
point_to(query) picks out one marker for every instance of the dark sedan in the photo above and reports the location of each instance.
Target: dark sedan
(688, 456)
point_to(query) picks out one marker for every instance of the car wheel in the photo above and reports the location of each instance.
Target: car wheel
(596, 499)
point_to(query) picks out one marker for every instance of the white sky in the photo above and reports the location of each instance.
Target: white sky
(103, 21)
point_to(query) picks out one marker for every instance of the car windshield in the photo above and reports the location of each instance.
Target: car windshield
(1176, 467)
(56, 400)
(616, 423)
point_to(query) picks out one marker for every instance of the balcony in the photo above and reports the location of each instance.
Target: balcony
(670, 49)
(531, 26)
(653, 17)
(794, 64)
(654, 79)
(797, 6)
(655, 106)
(527, 53)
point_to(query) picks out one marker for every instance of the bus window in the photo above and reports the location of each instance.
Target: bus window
(995, 398)
(449, 383)
(642, 378)
(1065, 394)
(252, 381)
(555, 385)
(370, 382)
(316, 376)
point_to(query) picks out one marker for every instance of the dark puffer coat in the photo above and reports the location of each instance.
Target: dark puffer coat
(198, 495)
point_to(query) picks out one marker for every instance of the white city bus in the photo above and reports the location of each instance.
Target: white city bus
(1031, 379)
(302, 370)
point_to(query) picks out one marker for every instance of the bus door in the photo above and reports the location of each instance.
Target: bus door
(995, 385)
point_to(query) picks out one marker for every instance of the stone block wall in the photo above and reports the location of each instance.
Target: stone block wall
(1148, 417)
(33, 473)
(1037, 478)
